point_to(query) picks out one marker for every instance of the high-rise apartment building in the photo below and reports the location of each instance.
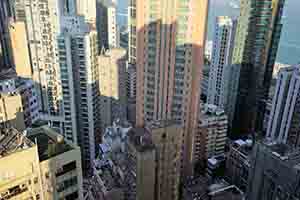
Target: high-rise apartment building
(77, 47)
(140, 177)
(112, 73)
(131, 92)
(154, 155)
(167, 42)
(39, 165)
(210, 139)
(221, 70)
(108, 31)
(284, 121)
(167, 139)
(42, 21)
(257, 39)
(63, 52)
(274, 173)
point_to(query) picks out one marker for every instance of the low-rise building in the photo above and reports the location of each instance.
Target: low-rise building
(19, 106)
(39, 165)
(200, 188)
(275, 173)
(211, 137)
(109, 169)
(238, 163)
(215, 167)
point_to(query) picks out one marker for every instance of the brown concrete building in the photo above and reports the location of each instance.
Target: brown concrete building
(140, 177)
(154, 155)
(167, 138)
(212, 133)
(167, 39)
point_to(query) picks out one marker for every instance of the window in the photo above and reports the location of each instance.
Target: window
(67, 168)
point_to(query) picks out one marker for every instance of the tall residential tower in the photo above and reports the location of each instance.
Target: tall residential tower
(257, 39)
(221, 71)
(283, 126)
(167, 39)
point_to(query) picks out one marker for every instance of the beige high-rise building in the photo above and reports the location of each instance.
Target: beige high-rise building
(19, 48)
(167, 39)
(112, 73)
(40, 165)
(167, 138)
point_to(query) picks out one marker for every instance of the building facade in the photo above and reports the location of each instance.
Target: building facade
(80, 80)
(63, 50)
(275, 174)
(5, 52)
(238, 163)
(167, 138)
(19, 102)
(140, 176)
(257, 39)
(221, 59)
(283, 125)
(211, 137)
(112, 77)
(19, 49)
(169, 57)
(40, 165)
(42, 21)
(108, 31)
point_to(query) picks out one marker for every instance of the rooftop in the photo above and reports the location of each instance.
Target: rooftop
(243, 146)
(162, 124)
(50, 143)
(12, 140)
(141, 139)
(200, 189)
(210, 110)
(9, 73)
(283, 152)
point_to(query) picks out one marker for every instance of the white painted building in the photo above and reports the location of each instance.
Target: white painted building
(77, 46)
(63, 47)
(108, 31)
(42, 24)
(220, 70)
(284, 121)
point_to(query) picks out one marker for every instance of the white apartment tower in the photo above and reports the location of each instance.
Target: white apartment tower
(284, 123)
(77, 46)
(108, 31)
(63, 51)
(220, 69)
(42, 25)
